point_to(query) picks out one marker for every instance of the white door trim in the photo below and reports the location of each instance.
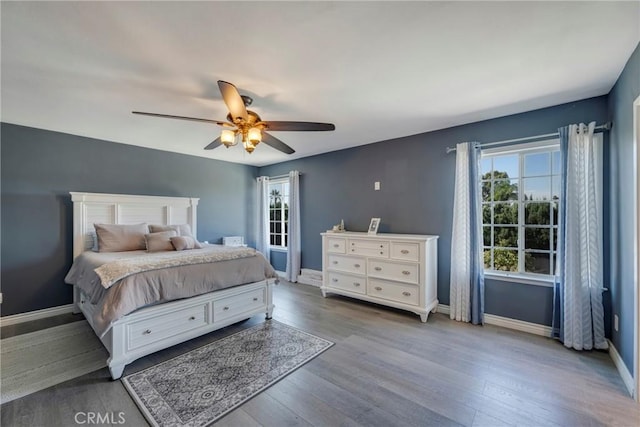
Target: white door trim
(636, 249)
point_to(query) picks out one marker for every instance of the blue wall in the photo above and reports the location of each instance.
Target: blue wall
(40, 167)
(416, 196)
(622, 211)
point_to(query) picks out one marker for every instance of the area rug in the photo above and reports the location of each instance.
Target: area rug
(200, 386)
(37, 360)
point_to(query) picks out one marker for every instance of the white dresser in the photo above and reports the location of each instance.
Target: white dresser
(398, 270)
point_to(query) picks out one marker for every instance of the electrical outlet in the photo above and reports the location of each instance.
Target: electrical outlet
(376, 185)
(615, 322)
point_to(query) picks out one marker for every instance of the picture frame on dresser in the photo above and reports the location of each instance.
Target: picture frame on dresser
(373, 225)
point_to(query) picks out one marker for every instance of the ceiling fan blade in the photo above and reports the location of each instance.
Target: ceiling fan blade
(234, 101)
(298, 126)
(193, 119)
(274, 142)
(215, 144)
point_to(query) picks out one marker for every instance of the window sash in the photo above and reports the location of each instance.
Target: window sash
(278, 215)
(522, 227)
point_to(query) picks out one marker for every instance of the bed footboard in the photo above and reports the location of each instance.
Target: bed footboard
(155, 328)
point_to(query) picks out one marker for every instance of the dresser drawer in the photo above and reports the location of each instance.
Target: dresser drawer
(405, 251)
(148, 331)
(400, 292)
(374, 248)
(348, 264)
(237, 304)
(401, 271)
(336, 245)
(347, 282)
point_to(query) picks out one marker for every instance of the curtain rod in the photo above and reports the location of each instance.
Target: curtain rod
(282, 176)
(601, 128)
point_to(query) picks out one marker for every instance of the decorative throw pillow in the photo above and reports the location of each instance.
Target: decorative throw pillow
(180, 229)
(161, 241)
(120, 237)
(182, 243)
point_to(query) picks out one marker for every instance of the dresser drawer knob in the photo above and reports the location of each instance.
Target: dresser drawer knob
(225, 308)
(404, 251)
(147, 332)
(381, 246)
(336, 246)
(378, 269)
(335, 262)
(406, 294)
(381, 253)
(356, 284)
(334, 280)
(353, 250)
(406, 273)
(356, 265)
(255, 298)
(192, 318)
(378, 288)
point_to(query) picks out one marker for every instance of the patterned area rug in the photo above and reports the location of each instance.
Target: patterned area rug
(202, 385)
(37, 360)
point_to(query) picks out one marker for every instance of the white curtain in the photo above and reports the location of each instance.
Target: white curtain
(467, 270)
(262, 218)
(580, 240)
(293, 245)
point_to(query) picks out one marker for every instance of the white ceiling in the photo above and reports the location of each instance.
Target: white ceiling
(377, 70)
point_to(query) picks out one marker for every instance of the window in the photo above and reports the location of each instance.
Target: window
(520, 200)
(278, 212)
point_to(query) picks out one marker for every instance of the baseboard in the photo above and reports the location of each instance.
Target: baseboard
(626, 376)
(14, 319)
(310, 277)
(506, 322)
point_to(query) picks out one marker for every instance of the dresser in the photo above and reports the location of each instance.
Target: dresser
(397, 270)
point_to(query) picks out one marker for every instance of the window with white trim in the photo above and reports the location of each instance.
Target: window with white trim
(520, 201)
(279, 212)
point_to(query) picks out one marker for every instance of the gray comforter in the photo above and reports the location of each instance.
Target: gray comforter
(159, 285)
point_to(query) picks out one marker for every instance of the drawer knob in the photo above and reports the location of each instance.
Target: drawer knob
(192, 318)
(381, 246)
(378, 269)
(406, 294)
(352, 244)
(381, 253)
(255, 298)
(336, 246)
(406, 273)
(378, 288)
(404, 251)
(335, 262)
(226, 308)
(356, 265)
(147, 332)
(81, 301)
(356, 284)
(334, 280)
(353, 250)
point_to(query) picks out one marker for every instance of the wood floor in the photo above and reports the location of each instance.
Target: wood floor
(386, 369)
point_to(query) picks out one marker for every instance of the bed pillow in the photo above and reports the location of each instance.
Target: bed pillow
(180, 229)
(160, 241)
(182, 243)
(120, 237)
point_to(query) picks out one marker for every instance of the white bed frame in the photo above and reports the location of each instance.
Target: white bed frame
(154, 328)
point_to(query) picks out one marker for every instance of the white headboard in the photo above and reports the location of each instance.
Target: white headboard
(90, 208)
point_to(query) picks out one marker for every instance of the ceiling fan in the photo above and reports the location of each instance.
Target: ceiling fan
(246, 125)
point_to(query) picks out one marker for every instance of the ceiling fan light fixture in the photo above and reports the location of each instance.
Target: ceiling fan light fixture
(248, 146)
(254, 136)
(228, 138)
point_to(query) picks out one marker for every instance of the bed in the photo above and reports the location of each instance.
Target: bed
(181, 295)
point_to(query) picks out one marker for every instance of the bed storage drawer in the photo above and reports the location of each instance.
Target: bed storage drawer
(237, 304)
(148, 331)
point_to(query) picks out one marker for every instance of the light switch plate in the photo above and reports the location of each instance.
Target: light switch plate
(376, 185)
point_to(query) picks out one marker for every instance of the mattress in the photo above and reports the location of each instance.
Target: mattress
(159, 285)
